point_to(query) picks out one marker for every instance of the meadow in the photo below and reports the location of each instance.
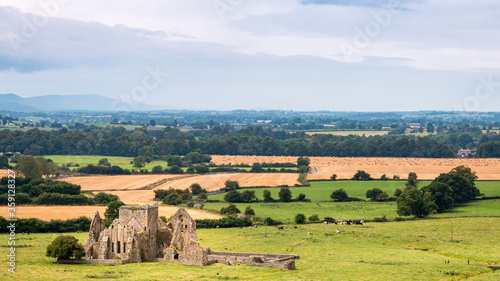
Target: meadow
(409, 250)
(321, 190)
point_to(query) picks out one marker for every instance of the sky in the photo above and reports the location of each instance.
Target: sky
(303, 55)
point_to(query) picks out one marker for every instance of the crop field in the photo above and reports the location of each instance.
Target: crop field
(210, 182)
(321, 190)
(121, 182)
(346, 167)
(3, 173)
(68, 212)
(409, 250)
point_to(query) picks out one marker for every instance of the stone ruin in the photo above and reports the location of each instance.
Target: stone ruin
(139, 235)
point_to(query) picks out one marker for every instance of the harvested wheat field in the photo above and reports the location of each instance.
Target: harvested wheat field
(213, 182)
(3, 172)
(346, 167)
(128, 182)
(210, 182)
(47, 213)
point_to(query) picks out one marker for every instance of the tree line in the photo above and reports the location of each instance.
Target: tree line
(116, 141)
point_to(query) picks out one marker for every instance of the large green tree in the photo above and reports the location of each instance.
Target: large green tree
(414, 202)
(285, 194)
(65, 247)
(441, 194)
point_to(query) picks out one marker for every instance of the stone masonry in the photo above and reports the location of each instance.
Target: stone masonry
(140, 235)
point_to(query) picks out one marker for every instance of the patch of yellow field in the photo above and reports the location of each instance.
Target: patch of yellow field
(127, 182)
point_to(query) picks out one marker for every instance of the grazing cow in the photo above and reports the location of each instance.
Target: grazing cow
(285, 227)
(280, 228)
(295, 227)
(250, 227)
(338, 231)
(309, 233)
(357, 223)
(362, 221)
(349, 222)
(335, 222)
(325, 222)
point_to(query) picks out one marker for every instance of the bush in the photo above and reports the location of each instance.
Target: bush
(285, 194)
(172, 199)
(270, 221)
(329, 220)
(267, 196)
(333, 177)
(190, 205)
(233, 196)
(300, 218)
(157, 169)
(196, 189)
(65, 247)
(339, 195)
(377, 194)
(112, 211)
(313, 218)
(230, 210)
(105, 198)
(301, 198)
(229, 221)
(381, 219)
(231, 185)
(249, 211)
(399, 219)
(202, 196)
(34, 225)
(361, 175)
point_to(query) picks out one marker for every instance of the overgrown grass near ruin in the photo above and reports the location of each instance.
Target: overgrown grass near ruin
(409, 250)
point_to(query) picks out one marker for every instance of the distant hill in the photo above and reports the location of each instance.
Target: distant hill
(12, 102)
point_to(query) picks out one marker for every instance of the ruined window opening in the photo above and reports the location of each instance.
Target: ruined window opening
(112, 247)
(124, 247)
(176, 256)
(118, 247)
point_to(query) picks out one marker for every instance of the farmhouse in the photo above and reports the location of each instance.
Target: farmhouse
(139, 235)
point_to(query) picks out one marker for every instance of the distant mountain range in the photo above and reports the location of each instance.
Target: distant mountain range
(12, 102)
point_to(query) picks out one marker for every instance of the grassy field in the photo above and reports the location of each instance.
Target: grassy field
(321, 190)
(410, 250)
(83, 160)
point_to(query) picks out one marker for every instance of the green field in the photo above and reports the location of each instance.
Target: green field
(321, 190)
(410, 250)
(123, 162)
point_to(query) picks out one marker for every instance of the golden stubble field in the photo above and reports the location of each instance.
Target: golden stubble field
(130, 188)
(346, 167)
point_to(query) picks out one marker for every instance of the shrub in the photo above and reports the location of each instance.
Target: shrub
(270, 221)
(65, 247)
(285, 194)
(339, 195)
(377, 194)
(231, 185)
(190, 205)
(112, 209)
(157, 169)
(202, 196)
(300, 218)
(230, 210)
(381, 219)
(104, 198)
(361, 175)
(267, 196)
(196, 189)
(313, 218)
(301, 197)
(249, 211)
(329, 220)
(333, 177)
(229, 221)
(172, 199)
(233, 196)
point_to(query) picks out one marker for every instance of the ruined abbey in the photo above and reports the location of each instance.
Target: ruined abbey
(140, 235)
